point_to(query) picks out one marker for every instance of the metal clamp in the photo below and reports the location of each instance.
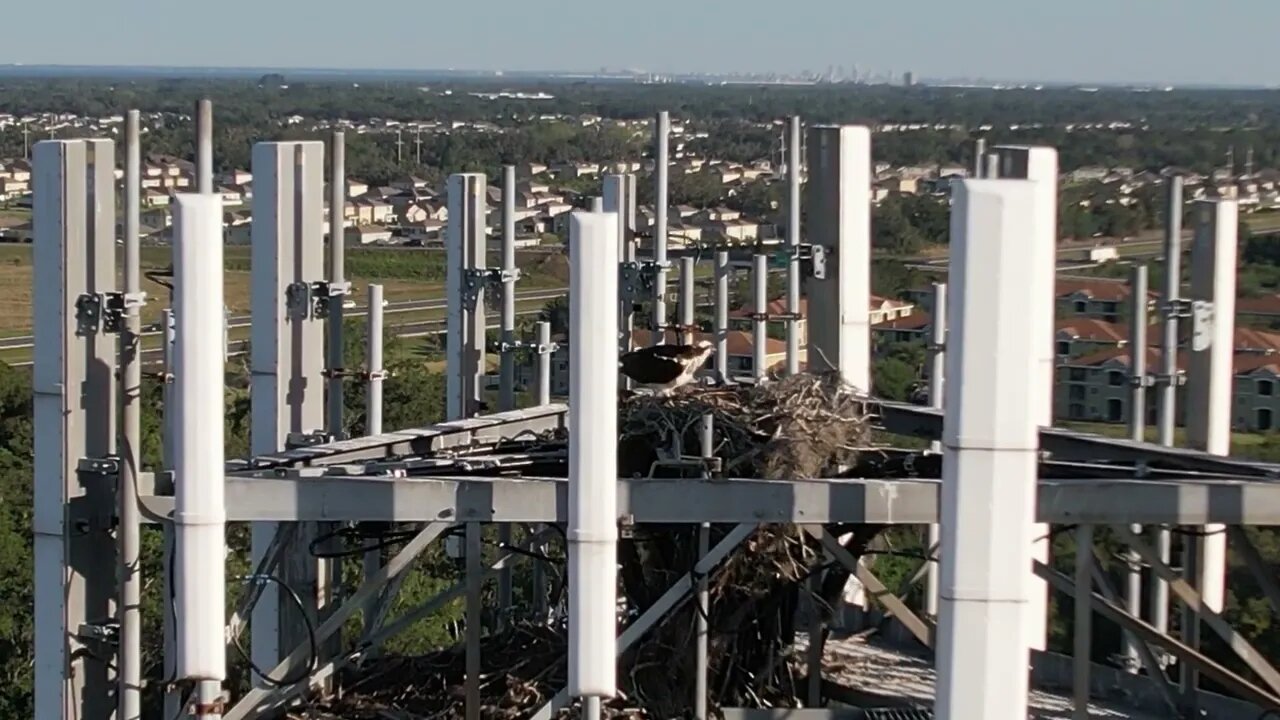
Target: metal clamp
(297, 301)
(293, 441)
(325, 294)
(812, 257)
(105, 632)
(104, 466)
(105, 312)
(1201, 325)
(1179, 308)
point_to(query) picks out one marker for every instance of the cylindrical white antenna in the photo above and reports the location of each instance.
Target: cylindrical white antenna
(592, 532)
(199, 378)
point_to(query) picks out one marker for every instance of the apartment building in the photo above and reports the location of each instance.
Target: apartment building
(1095, 386)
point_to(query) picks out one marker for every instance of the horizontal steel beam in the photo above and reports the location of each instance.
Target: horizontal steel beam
(1064, 444)
(311, 495)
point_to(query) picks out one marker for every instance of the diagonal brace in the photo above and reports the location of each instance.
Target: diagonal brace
(1149, 661)
(1113, 612)
(921, 629)
(674, 595)
(1180, 587)
(331, 668)
(335, 621)
(1263, 574)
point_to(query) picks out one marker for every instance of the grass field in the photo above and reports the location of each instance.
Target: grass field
(404, 275)
(1239, 440)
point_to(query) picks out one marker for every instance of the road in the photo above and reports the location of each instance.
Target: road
(152, 356)
(239, 321)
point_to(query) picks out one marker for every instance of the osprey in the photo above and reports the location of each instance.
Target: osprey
(665, 367)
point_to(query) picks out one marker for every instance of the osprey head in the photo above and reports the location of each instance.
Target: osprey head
(704, 346)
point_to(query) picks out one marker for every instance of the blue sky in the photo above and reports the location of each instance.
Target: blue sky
(1176, 41)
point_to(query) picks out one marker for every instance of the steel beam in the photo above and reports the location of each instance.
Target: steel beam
(335, 498)
(75, 420)
(286, 349)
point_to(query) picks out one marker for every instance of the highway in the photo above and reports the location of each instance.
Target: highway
(152, 356)
(240, 321)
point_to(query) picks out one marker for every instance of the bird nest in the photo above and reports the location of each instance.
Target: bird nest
(804, 426)
(800, 426)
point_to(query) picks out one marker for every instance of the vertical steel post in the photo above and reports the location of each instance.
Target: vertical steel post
(204, 146)
(722, 315)
(937, 375)
(700, 696)
(686, 300)
(793, 242)
(1082, 633)
(507, 381)
(172, 696)
(992, 170)
(130, 654)
(760, 327)
(337, 283)
(475, 607)
(506, 357)
(1169, 377)
(373, 363)
(544, 363)
(1137, 432)
(979, 156)
(372, 560)
(620, 197)
(661, 199)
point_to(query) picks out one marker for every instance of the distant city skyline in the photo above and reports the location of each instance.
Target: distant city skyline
(1177, 42)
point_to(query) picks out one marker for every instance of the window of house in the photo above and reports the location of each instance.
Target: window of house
(1115, 378)
(1115, 410)
(1064, 347)
(1078, 375)
(1264, 419)
(1081, 306)
(1266, 387)
(1076, 411)
(1076, 392)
